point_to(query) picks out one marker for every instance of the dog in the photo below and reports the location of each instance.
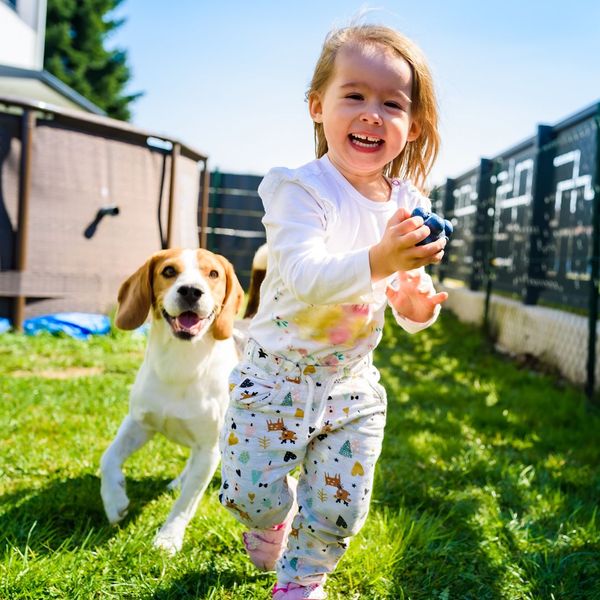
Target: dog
(181, 389)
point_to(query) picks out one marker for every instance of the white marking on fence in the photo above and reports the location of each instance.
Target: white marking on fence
(465, 198)
(573, 183)
(236, 232)
(513, 185)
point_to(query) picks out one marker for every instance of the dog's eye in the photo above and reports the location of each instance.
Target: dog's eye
(169, 272)
(213, 274)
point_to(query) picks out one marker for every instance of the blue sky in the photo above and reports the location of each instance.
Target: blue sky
(229, 77)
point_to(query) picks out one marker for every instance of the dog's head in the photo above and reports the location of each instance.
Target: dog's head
(192, 290)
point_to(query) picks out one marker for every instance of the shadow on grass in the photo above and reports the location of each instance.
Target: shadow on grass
(212, 578)
(499, 457)
(68, 514)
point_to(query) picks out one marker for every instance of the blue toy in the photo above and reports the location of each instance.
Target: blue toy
(439, 227)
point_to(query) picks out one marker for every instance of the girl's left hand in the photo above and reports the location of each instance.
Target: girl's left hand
(415, 299)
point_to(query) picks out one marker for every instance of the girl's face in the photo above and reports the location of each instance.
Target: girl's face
(365, 110)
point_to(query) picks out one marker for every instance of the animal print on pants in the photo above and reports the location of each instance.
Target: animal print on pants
(329, 422)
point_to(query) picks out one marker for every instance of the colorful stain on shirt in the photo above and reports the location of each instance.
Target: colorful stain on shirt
(341, 324)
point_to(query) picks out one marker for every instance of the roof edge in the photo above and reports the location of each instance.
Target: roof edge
(53, 82)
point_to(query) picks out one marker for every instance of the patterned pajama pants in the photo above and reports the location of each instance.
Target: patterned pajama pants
(328, 421)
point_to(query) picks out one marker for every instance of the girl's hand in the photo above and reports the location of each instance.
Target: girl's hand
(415, 299)
(397, 250)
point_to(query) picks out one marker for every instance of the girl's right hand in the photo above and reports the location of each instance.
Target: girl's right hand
(397, 250)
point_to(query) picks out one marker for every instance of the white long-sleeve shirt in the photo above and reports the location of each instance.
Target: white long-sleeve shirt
(317, 303)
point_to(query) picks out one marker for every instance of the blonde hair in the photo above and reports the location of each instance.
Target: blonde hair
(417, 158)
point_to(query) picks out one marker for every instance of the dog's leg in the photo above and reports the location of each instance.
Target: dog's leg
(130, 437)
(198, 473)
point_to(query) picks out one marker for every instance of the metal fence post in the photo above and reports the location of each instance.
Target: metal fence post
(204, 204)
(489, 266)
(483, 224)
(595, 272)
(215, 179)
(541, 207)
(447, 207)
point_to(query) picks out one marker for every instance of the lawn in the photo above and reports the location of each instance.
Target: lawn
(488, 485)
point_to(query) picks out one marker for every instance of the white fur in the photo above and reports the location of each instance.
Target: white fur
(181, 391)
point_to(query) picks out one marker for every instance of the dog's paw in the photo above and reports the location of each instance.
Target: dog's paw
(115, 501)
(168, 540)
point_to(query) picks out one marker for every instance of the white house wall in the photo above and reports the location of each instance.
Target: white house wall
(22, 34)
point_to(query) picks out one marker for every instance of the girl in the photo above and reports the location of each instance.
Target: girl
(341, 245)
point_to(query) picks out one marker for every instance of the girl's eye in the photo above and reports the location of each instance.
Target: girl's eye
(169, 272)
(213, 274)
(394, 105)
(354, 96)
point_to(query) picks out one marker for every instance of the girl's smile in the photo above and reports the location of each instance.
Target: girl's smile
(365, 143)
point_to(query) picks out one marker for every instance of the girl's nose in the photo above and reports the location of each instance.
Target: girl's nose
(371, 116)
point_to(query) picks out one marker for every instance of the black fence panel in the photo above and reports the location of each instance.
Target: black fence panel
(524, 218)
(460, 207)
(512, 183)
(568, 259)
(234, 220)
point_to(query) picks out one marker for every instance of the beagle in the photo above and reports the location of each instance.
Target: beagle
(181, 389)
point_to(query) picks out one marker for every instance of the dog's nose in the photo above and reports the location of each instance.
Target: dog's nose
(190, 293)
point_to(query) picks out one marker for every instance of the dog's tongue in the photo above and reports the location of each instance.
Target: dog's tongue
(188, 320)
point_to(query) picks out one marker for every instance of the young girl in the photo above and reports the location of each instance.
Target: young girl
(341, 245)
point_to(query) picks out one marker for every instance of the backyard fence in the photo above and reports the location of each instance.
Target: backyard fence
(526, 225)
(234, 226)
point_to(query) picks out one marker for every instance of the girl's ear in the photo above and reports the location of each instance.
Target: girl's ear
(414, 132)
(315, 107)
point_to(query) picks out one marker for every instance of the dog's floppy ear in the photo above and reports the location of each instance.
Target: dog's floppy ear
(234, 294)
(135, 297)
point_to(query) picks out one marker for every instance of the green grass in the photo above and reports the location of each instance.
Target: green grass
(487, 488)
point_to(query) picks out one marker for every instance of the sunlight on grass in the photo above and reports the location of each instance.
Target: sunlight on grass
(487, 487)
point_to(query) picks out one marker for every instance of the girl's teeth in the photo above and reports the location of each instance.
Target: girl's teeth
(365, 141)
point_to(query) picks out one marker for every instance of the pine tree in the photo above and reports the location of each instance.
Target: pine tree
(75, 53)
(346, 449)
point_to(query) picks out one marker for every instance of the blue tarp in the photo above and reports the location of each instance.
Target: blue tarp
(78, 325)
(4, 325)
